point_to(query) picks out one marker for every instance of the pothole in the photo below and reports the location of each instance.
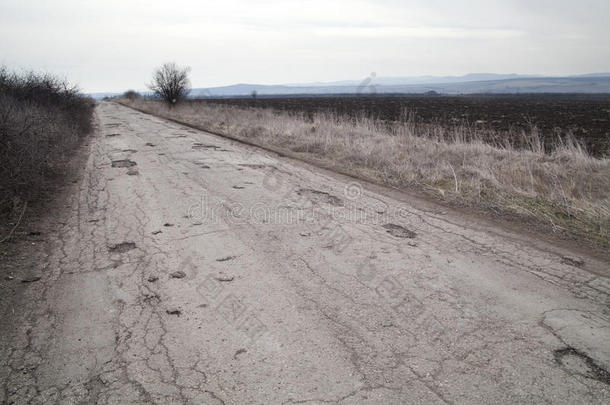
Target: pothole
(123, 163)
(573, 261)
(320, 197)
(201, 164)
(204, 146)
(122, 247)
(579, 363)
(252, 166)
(399, 231)
(178, 274)
(151, 298)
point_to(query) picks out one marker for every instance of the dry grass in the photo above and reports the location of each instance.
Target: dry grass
(566, 188)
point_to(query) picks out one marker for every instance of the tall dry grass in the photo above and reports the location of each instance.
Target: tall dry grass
(566, 188)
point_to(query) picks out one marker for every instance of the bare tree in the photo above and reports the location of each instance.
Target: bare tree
(171, 83)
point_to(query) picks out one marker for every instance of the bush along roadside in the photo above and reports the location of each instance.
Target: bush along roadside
(42, 120)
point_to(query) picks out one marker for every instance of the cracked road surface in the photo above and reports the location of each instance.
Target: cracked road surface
(191, 269)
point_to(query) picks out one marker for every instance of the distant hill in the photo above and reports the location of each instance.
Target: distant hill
(471, 77)
(468, 84)
(580, 84)
(100, 96)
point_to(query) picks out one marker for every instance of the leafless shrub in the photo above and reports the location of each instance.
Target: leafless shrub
(41, 119)
(131, 95)
(171, 83)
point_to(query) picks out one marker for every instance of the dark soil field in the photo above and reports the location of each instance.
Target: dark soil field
(587, 117)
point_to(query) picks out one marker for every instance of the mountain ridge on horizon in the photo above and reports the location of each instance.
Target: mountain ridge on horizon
(422, 79)
(465, 84)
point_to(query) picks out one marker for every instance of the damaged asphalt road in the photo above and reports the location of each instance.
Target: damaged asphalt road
(216, 273)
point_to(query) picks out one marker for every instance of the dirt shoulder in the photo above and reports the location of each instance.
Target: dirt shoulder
(25, 271)
(32, 227)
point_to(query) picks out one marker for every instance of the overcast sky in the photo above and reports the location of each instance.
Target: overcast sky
(112, 45)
